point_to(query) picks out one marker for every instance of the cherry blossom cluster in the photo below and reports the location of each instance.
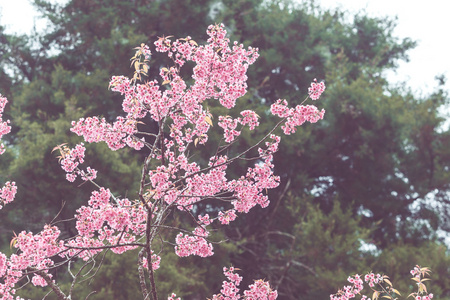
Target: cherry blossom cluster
(357, 286)
(426, 297)
(9, 190)
(260, 290)
(173, 297)
(4, 127)
(3, 268)
(229, 124)
(385, 291)
(248, 190)
(220, 72)
(316, 89)
(250, 118)
(419, 277)
(155, 259)
(373, 279)
(193, 244)
(296, 116)
(70, 159)
(34, 253)
(7, 193)
(226, 217)
(116, 136)
(102, 222)
(349, 291)
(171, 180)
(144, 50)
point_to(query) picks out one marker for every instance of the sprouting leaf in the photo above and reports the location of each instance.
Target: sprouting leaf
(165, 82)
(388, 281)
(136, 65)
(195, 142)
(416, 279)
(422, 288)
(425, 271)
(265, 80)
(165, 70)
(375, 295)
(385, 296)
(208, 120)
(397, 292)
(411, 295)
(145, 67)
(13, 241)
(113, 84)
(58, 147)
(192, 42)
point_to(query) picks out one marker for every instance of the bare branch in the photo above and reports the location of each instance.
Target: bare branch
(144, 289)
(49, 281)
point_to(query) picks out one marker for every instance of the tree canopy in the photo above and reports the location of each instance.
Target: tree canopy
(365, 189)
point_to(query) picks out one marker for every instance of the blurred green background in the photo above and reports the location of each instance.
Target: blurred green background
(367, 188)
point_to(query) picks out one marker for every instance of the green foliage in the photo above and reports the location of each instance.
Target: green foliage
(311, 259)
(364, 173)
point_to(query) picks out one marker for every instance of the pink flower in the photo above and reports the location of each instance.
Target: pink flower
(172, 297)
(316, 89)
(172, 179)
(2, 264)
(39, 281)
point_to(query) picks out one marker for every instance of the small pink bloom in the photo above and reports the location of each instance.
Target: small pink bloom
(316, 89)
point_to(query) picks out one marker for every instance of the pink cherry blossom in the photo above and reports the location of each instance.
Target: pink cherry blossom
(9, 190)
(316, 89)
(7, 193)
(2, 264)
(173, 180)
(4, 127)
(260, 290)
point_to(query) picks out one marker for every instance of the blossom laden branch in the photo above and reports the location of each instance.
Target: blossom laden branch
(171, 180)
(9, 190)
(382, 287)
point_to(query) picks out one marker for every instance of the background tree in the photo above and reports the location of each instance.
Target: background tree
(379, 156)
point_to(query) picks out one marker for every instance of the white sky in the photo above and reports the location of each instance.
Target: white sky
(426, 23)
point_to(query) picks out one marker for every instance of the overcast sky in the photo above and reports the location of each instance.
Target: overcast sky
(426, 22)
